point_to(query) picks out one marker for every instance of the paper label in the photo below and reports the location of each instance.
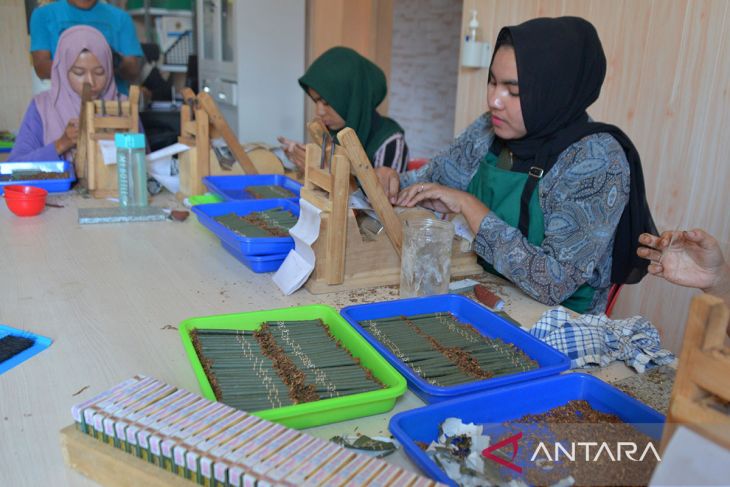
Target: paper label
(108, 152)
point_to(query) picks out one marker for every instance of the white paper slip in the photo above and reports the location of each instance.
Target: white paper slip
(461, 228)
(168, 151)
(108, 152)
(299, 264)
(292, 273)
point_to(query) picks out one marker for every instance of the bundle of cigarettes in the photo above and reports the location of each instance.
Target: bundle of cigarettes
(214, 444)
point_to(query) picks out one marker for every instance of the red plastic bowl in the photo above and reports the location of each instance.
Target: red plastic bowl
(25, 200)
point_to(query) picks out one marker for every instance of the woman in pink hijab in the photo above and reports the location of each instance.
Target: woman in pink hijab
(49, 130)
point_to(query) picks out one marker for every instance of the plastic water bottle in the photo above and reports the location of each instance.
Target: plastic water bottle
(131, 169)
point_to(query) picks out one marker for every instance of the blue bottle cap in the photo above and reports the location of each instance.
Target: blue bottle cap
(125, 140)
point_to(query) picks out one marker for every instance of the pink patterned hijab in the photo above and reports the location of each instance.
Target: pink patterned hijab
(61, 103)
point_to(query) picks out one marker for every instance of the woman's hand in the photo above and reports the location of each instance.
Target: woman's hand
(692, 259)
(444, 200)
(70, 137)
(295, 151)
(390, 182)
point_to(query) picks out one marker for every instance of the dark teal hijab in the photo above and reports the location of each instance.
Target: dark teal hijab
(353, 86)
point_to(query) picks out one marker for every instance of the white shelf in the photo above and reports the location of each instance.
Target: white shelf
(172, 68)
(161, 11)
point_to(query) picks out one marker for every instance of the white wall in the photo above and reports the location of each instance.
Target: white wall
(262, 79)
(271, 34)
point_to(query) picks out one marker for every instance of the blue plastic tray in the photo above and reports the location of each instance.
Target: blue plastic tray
(257, 263)
(550, 361)
(512, 402)
(50, 185)
(233, 188)
(41, 343)
(235, 243)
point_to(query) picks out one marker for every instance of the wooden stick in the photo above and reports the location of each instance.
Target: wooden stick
(316, 131)
(337, 236)
(188, 95)
(216, 118)
(133, 109)
(89, 162)
(201, 163)
(370, 185)
(120, 124)
(82, 149)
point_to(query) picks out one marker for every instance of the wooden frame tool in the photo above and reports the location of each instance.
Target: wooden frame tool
(100, 120)
(703, 374)
(344, 258)
(200, 122)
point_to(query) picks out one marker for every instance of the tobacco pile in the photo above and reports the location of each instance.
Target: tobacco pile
(572, 424)
(33, 175)
(523, 452)
(280, 364)
(444, 351)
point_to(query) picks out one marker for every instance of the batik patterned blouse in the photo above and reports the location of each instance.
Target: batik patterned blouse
(582, 198)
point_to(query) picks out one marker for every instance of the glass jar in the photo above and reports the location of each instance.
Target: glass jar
(426, 257)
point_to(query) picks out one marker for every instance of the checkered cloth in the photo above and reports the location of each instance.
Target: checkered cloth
(596, 340)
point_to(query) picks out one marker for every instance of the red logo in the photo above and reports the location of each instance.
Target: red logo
(487, 452)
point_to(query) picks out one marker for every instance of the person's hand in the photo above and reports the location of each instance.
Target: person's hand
(694, 259)
(432, 196)
(295, 151)
(390, 182)
(444, 200)
(69, 138)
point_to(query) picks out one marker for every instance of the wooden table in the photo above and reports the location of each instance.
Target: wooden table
(111, 296)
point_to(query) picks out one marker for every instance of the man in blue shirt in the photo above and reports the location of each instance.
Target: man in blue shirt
(48, 22)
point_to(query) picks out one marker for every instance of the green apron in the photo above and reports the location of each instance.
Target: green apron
(500, 190)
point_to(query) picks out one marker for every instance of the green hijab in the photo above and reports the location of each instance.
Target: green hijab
(354, 87)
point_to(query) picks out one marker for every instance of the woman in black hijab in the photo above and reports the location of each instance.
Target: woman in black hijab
(556, 201)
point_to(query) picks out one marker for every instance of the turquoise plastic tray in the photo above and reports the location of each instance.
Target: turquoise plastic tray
(41, 343)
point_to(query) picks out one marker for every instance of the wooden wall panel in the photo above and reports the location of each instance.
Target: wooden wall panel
(668, 88)
(15, 64)
(365, 26)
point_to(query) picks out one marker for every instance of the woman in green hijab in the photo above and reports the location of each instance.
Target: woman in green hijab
(346, 88)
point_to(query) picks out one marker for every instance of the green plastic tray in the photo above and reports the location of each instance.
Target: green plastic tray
(201, 199)
(320, 412)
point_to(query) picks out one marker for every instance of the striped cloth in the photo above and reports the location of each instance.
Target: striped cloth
(596, 340)
(393, 152)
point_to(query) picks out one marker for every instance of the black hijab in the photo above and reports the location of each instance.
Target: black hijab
(560, 68)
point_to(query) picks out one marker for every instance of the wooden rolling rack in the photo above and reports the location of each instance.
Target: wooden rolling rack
(100, 120)
(702, 386)
(200, 122)
(111, 466)
(344, 259)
